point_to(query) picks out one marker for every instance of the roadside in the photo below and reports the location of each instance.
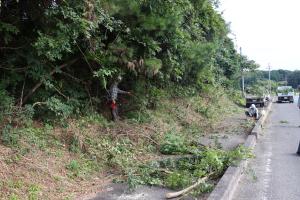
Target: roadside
(85, 157)
(227, 134)
(274, 174)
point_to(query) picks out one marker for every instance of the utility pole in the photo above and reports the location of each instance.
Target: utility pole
(269, 67)
(242, 71)
(285, 78)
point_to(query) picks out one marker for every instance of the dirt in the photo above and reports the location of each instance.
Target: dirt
(47, 173)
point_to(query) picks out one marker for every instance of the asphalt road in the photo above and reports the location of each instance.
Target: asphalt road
(274, 174)
(120, 192)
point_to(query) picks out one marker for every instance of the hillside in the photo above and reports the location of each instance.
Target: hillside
(42, 161)
(61, 63)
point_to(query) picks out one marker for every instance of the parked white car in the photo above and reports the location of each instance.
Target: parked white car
(285, 94)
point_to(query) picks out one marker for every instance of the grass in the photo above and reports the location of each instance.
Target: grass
(57, 162)
(18, 189)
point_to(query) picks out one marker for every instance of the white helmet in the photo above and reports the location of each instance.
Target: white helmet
(252, 106)
(119, 78)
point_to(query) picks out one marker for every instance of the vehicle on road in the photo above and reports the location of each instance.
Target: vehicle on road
(259, 100)
(285, 94)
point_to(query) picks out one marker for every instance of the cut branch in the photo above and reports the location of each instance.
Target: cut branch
(186, 190)
(40, 83)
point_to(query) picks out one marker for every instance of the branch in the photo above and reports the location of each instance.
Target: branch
(22, 93)
(73, 77)
(38, 104)
(85, 58)
(59, 92)
(12, 48)
(186, 190)
(82, 82)
(40, 83)
(16, 69)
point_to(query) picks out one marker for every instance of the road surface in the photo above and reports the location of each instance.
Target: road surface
(120, 192)
(274, 174)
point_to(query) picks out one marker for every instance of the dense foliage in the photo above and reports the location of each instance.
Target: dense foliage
(60, 56)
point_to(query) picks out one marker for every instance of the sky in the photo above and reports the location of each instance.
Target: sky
(268, 31)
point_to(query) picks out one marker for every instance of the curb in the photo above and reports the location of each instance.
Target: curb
(225, 188)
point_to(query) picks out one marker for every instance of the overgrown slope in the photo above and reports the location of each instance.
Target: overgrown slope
(57, 61)
(42, 160)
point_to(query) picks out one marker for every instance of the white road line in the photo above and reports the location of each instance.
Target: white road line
(268, 170)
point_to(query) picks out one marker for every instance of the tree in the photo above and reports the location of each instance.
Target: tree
(71, 50)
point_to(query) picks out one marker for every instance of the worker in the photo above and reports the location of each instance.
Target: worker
(114, 91)
(252, 112)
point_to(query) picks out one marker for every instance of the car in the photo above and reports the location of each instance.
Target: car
(256, 100)
(285, 94)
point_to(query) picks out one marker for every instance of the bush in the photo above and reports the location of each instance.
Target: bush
(56, 110)
(6, 103)
(237, 97)
(139, 116)
(173, 144)
(81, 168)
(60, 109)
(9, 136)
(178, 179)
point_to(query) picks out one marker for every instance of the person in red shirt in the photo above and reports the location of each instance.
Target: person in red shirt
(114, 91)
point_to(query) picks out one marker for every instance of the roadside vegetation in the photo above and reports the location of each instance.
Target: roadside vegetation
(57, 61)
(159, 146)
(279, 77)
(257, 81)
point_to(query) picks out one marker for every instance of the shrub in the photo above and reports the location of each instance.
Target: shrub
(173, 144)
(178, 179)
(9, 136)
(60, 109)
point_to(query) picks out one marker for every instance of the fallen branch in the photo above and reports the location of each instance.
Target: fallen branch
(186, 190)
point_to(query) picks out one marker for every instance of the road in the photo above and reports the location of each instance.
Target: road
(274, 173)
(120, 192)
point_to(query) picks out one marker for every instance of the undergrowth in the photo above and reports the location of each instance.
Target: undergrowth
(166, 125)
(180, 172)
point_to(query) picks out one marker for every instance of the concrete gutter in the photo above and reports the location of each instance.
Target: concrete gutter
(228, 183)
